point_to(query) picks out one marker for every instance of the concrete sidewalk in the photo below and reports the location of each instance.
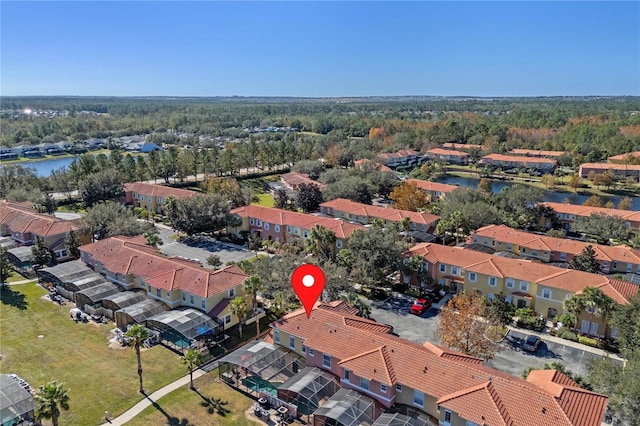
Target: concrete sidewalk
(151, 399)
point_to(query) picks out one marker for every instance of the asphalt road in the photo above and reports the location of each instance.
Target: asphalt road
(227, 252)
(511, 359)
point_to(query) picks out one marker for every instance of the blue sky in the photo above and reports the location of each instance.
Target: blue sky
(320, 48)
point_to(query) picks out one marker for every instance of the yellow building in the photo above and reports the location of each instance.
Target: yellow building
(152, 197)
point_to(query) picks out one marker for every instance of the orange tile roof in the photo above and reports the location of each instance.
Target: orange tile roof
(426, 185)
(460, 383)
(154, 190)
(341, 228)
(126, 255)
(517, 159)
(535, 152)
(22, 218)
(386, 213)
(579, 210)
(398, 154)
(460, 145)
(503, 233)
(293, 179)
(622, 157)
(377, 166)
(609, 166)
(440, 151)
(542, 274)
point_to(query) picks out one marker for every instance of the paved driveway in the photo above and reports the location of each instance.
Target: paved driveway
(227, 252)
(510, 359)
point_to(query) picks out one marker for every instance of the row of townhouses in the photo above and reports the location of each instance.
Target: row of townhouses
(509, 162)
(568, 213)
(448, 155)
(152, 197)
(627, 158)
(612, 259)
(620, 171)
(435, 190)
(524, 283)
(427, 381)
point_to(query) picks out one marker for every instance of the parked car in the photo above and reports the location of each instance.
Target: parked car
(531, 343)
(420, 306)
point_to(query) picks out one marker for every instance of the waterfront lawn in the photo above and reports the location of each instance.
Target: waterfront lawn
(40, 343)
(187, 407)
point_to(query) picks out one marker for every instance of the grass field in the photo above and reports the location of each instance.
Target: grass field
(185, 407)
(40, 343)
(265, 200)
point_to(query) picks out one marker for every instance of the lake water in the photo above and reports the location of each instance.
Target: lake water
(44, 167)
(558, 197)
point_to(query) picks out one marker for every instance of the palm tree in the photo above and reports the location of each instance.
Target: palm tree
(592, 297)
(49, 400)
(607, 306)
(191, 358)
(238, 307)
(321, 242)
(253, 286)
(574, 305)
(138, 333)
(352, 299)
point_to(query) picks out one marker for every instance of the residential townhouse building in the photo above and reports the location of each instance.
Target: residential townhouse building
(568, 213)
(435, 191)
(402, 158)
(449, 387)
(524, 283)
(286, 226)
(177, 282)
(366, 214)
(612, 259)
(537, 153)
(368, 163)
(152, 197)
(448, 155)
(23, 224)
(461, 146)
(508, 162)
(628, 158)
(292, 179)
(620, 171)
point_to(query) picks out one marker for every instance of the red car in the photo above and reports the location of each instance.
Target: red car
(420, 306)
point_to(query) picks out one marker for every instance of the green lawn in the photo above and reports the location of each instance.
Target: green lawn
(265, 200)
(15, 277)
(40, 343)
(185, 407)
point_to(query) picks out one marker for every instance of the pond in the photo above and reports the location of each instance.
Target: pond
(558, 197)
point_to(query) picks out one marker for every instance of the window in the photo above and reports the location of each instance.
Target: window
(339, 244)
(524, 286)
(288, 229)
(447, 417)
(629, 267)
(364, 384)
(158, 292)
(523, 249)
(184, 297)
(191, 299)
(304, 349)
(277, 228)
(276, 336)
(563, 256)
(490, 296)
(508, 298)
(292, 342)
(509, 247)
(383, 388)
(251, 221)
(227, 319)
(258, 222)
(398, 387)
(266, 226)
(475, 239)
(443, 267)
(232, 292)
(614, 332)
(534, 252)
(546, 293)
(347, 375)
(454, 270)
(203, 304)
(473, 277)
(418, 398)
(326, 360)
(510, 282)
(305, 234)
(311, 352)
(493, 281)
(149, 289)
(614, 265)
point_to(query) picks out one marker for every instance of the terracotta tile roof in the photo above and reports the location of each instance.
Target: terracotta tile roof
(460, 383)
(536, 153)
(609, 166)
(578, 210)
(426, 185)
(398, 154)
(622, 157)
(517, 159)
(377, 166)
(341, 228)
(293, 179)
(505, 234)
(451, 145)
(219, 307)
(22, 218)
(440, 151)
(542, 274)
(127, 255)
(153, 190)
(377, 212)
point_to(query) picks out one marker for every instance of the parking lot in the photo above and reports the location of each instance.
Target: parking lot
(201, 249)
(511, 359)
